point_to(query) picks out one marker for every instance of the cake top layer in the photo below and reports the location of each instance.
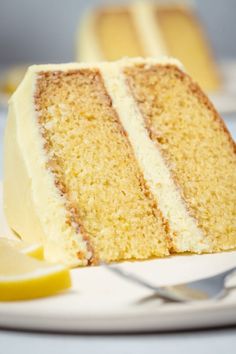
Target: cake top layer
(124, 62)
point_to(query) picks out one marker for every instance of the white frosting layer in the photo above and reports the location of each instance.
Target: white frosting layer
(36, 193)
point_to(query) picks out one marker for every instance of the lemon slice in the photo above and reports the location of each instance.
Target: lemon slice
(33, 250)
(23, 277)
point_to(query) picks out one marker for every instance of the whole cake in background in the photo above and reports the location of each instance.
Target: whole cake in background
(116, 161)
(149, 29)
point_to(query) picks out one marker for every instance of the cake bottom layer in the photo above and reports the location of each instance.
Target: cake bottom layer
(195, 144)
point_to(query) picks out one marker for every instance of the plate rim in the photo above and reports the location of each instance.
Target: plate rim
(158, 321)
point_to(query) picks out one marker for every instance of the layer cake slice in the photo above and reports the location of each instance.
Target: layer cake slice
(118, 161)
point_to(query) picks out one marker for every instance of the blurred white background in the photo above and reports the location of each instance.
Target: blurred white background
(36, 31)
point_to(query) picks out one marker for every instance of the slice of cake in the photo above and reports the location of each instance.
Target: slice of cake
(148, 29)
(118, 161)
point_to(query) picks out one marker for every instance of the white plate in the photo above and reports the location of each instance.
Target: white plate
(100, 301)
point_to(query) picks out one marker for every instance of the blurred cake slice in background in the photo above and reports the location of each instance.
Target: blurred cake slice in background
(169, 28)
(12, 77)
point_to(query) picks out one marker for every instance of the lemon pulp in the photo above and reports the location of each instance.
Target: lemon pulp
(23, 277)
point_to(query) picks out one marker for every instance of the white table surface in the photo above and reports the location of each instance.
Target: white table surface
(203, 342)
(215, 341)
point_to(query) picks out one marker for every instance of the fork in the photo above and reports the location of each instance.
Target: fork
(204, 289)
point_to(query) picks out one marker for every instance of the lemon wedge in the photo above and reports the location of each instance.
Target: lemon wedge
(33, 250)
(23, 277)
